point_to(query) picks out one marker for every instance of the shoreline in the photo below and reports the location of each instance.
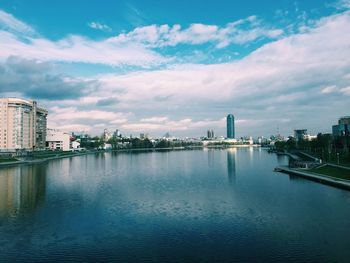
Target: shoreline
(35, 161)
(323, 179)
(312, 175)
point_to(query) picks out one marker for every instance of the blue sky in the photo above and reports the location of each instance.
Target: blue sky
(179, 66)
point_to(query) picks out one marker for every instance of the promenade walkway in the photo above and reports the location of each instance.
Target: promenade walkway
(336, 182)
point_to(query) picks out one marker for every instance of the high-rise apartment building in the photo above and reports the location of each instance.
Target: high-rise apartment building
(22, 124)
(210, 134)
(230, 126)
(300, 134)
(343, 127)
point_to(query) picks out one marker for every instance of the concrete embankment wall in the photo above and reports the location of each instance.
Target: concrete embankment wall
(339, 183)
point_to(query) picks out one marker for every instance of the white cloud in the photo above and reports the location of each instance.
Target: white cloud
(20, 40)
(329, 89)
(284, 78)
(343, 4)
(345, 91)
(78, 49)
(71, 113)
(71, 127)
(71, 119)
(165, 124)
(133, 48)
(12, 24)
(154, 119)
(238, 32)
(293, 74)
(242, 37)
(99, 26)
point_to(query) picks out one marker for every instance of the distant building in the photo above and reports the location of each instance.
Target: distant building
(22, 124)
(251, 141)
(343, 127)
(344, 120)
(230, 126)
(300, 134)
(210, 134)
(57, 140)
(106, 135)
(310, 137)
(107, 146)
(75, 145)
(117, 134)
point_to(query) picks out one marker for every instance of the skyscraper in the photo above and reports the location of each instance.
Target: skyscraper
(230, 126)
(210, 134)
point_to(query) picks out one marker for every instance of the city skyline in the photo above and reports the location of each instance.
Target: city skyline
(127, 66)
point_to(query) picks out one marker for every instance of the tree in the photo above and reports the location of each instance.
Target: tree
(163, 144)
(137, 143)
(291, 143)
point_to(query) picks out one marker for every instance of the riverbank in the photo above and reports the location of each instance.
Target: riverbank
(324, 179)
(41, 158)
(326, 173)
(47, 156)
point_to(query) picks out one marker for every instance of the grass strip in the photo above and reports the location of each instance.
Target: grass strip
(332, 171)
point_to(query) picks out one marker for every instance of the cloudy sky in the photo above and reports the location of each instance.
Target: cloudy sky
(179, 66)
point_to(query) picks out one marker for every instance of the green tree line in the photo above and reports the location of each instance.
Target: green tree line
(325, 146)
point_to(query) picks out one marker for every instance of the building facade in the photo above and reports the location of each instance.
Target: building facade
(106, 135)
(75, 145)
(342, 128)
(230, 120)
(57, 140)
(22, 125)
(117, 134)
(210, 134)
(300, 134)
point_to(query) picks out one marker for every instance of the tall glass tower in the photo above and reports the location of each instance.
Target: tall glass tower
(230, 126)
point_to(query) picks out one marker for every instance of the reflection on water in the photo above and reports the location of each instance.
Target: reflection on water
(251, 154)
(171, 206)
(282, 159)
(21, 188)
(211, 153)
(231, 164)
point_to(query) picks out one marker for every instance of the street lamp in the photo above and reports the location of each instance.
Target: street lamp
(338, 157)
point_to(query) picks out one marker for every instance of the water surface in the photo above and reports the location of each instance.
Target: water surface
(172, 206)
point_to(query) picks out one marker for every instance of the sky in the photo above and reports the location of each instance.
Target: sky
(179, 66)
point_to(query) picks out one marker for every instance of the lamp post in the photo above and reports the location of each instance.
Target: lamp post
(338, 157)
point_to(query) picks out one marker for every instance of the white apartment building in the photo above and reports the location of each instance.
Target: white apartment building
(57, 140)
(75, 145)
(106, 135)
(22, 124)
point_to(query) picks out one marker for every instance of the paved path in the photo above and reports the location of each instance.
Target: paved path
(340, 183)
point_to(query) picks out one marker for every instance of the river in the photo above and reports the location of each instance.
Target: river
(208, 205)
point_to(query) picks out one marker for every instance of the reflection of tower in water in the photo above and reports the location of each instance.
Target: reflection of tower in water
(211, 157)
(21, 188)
(231, 164)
